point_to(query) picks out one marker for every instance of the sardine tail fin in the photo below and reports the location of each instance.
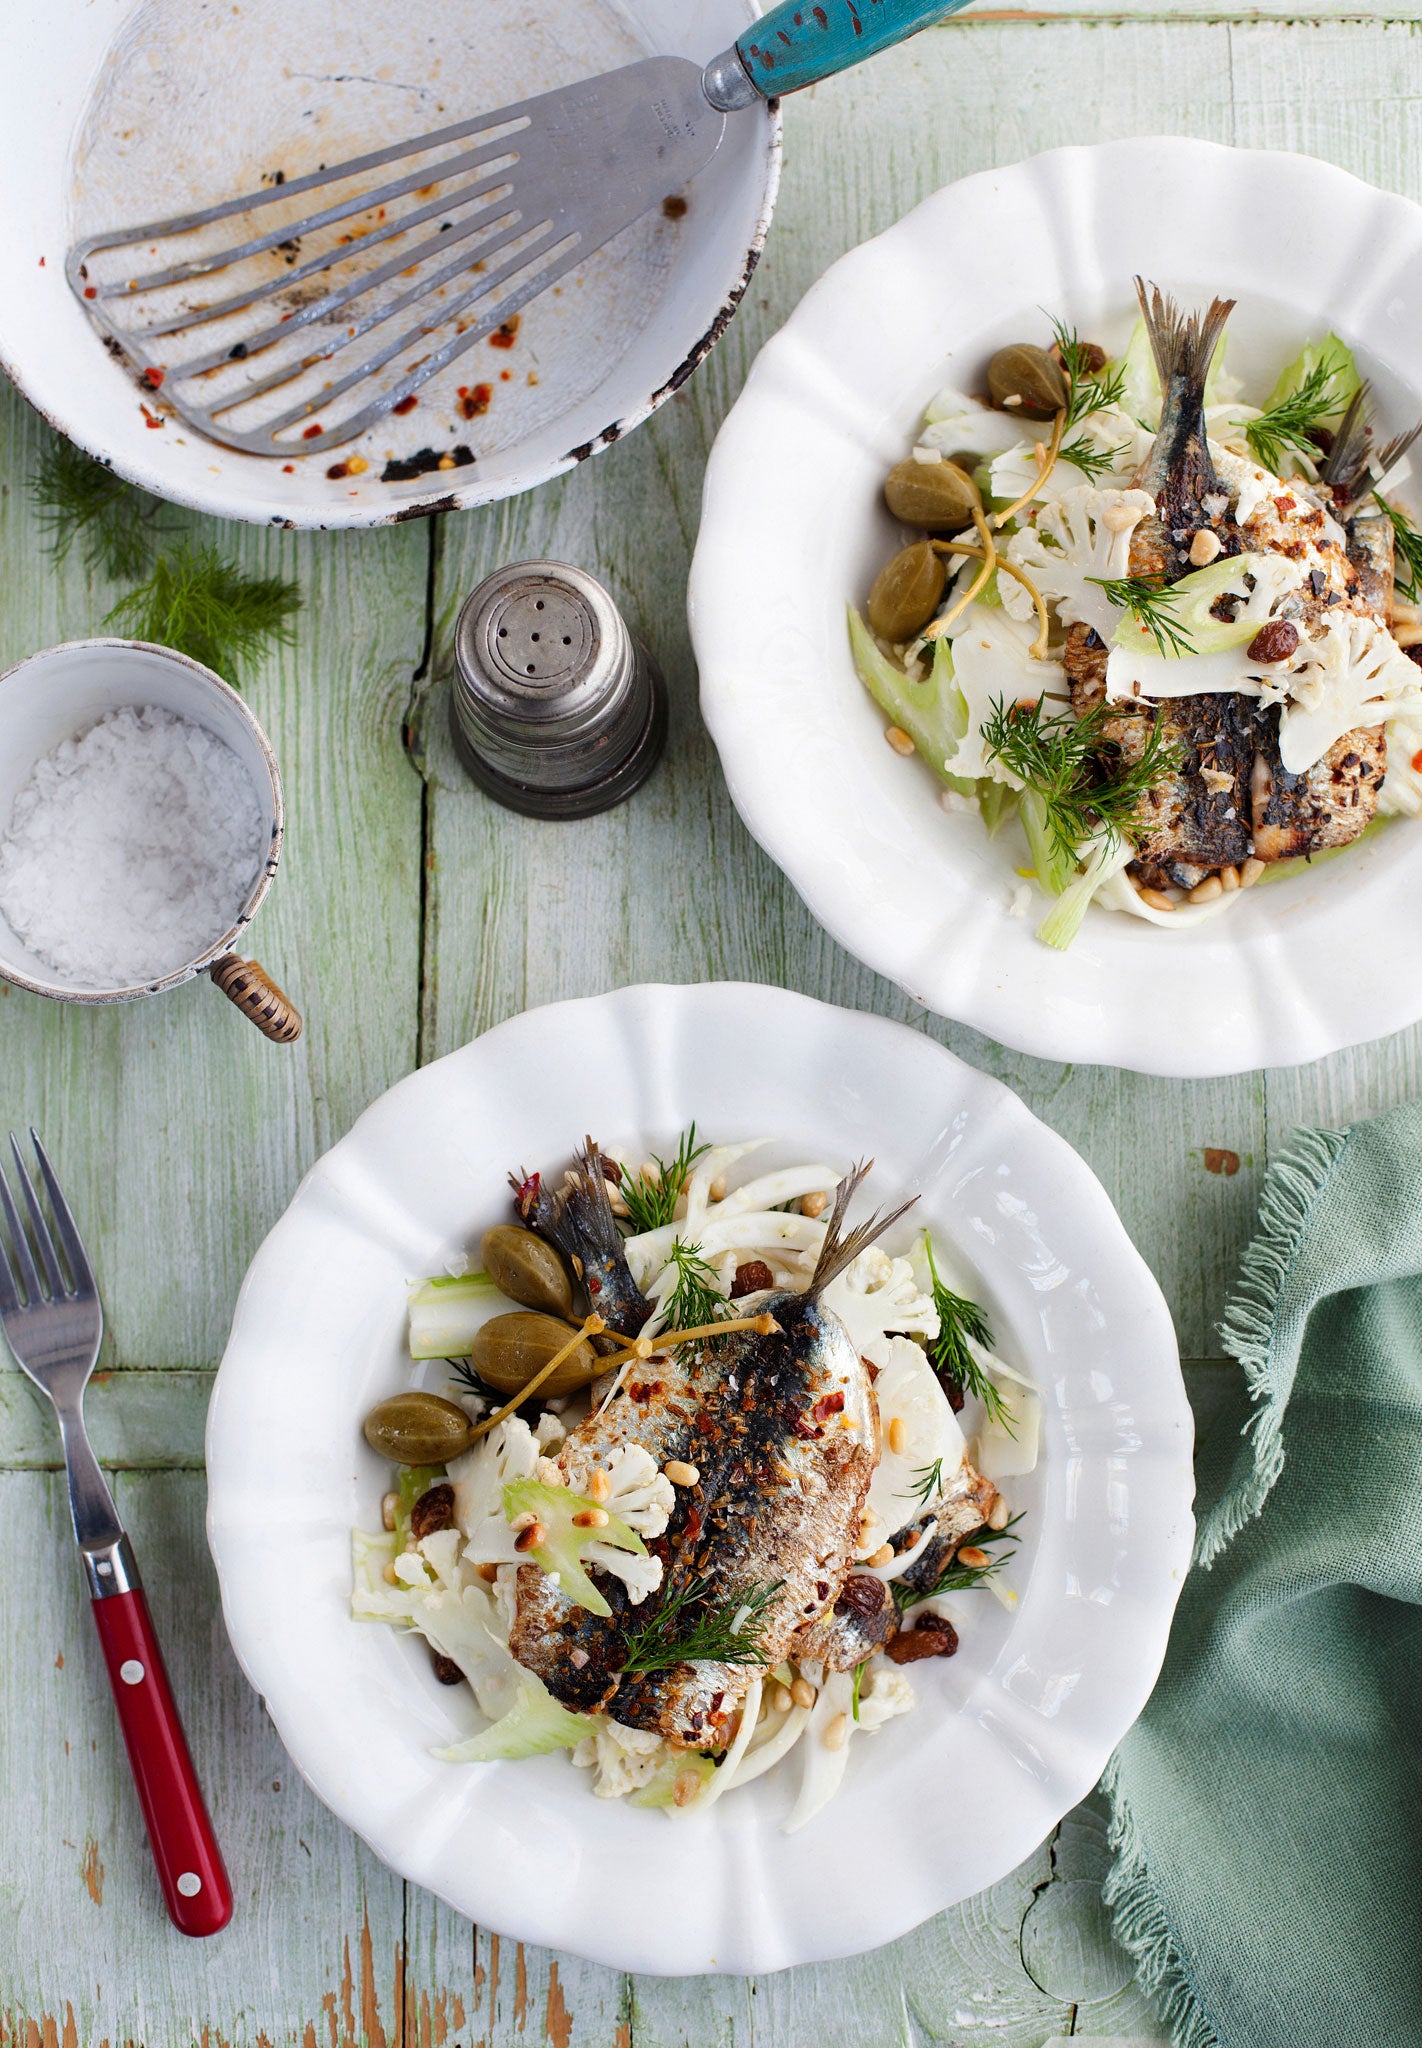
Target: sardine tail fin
(1183, 344)
(840, 1250)
(1343, 467)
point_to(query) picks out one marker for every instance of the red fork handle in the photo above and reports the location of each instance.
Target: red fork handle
(190, 1868)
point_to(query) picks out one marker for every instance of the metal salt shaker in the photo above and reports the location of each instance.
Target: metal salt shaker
(556, 709)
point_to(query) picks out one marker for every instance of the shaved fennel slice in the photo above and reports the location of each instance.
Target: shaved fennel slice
(887, 1694)
(783, 1731)
(724, 1777)
(707, 1169)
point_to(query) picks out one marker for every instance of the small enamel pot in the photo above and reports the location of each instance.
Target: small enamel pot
(60, 694)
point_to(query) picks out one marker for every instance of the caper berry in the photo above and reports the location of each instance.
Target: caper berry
(526, 1268)
(1024, 379)
(418, 1429)
(935, 496)
(907, 592)
(510, 1350)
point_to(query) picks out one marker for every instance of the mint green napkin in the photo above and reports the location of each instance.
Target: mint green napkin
(1267, 1807)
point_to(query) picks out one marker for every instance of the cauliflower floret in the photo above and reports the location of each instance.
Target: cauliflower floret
(876, 1294)
(479, 1477)
(434, 1594)
(885, 1694)
(640, 1495)
(1353, 673)
(1084, 536)
(624, 1758)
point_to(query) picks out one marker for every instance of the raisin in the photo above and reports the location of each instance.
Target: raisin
(860, 1595)
(445, 1669)
(933, 1637)
(433, 1510)
(1275, 641)
(751, 1278)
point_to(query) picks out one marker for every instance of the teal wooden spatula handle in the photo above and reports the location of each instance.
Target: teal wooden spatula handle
(797, 44)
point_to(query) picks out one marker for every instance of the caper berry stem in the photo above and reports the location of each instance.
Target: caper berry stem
(593, 1326)
(960, 605)
(764, 1325)
(1038, 649)
(1049, 463)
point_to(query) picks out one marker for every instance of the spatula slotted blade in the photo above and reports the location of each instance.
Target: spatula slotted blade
(289, 320)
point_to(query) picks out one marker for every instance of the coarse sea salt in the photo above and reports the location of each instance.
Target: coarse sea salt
(130, 850)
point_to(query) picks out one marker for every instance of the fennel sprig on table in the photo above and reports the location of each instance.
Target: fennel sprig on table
(83, 503)
(204, 605)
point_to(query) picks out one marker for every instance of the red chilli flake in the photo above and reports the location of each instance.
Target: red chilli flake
(290, 468)
(1417, 762)
(154, 376)
(310, 433)
(475, 401)
(505, 336)
(406, 404)
(91, 291)
(150, 419)
(1285, 505)
(827, 1405)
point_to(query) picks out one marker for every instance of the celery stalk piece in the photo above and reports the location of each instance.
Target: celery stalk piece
(934, 713)
(1140, 396)
(1063, 921)
(560, 1552)
(1053, 869)
(446, 1311)
(1189, 613)
(995, 801)
(533, 1726)
(660, 1788)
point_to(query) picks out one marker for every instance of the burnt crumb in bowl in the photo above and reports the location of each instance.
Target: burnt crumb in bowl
(401, 469)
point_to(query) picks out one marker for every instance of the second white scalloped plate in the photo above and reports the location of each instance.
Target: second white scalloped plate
(1006, 1737)
(794, 528)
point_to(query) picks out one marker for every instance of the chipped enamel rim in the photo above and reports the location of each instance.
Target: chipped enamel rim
(1007, 1736)
(56, 358)
(922, 896)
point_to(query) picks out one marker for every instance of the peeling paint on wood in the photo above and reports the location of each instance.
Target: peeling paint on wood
(92, 1871)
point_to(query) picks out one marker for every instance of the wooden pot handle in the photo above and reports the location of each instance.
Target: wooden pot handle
(247, 984)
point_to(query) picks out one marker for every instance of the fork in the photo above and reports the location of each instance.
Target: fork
(54, 1333)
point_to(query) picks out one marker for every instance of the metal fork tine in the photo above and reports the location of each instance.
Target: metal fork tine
(43, 1240)
(9, 1292)
(28, 1276)
(68, 1230)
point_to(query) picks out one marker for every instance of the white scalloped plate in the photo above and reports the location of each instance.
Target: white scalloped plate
(1006, 1737)
(1301, 967)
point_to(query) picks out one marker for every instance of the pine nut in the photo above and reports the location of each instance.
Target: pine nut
(898, 739)
(591, 1518)
(523, 1521)
(1250, 872)
(647, 1172)
(837, 1733)
(599, 1486)
(489, 1573)
(389, 1503)
(1408, 634)
(388, 1574)
(1119, 518)
(680, 1473)
(529, 1538)
(898, 1436)
(1204, 547)
(1206, 891)
(813, 1205)
(717, 1189)
(356, 465)
(687, 1785)
(780, 1700)
(882, 1556)
(999, 1514)
(802, 1693)
(974, 1558)
(1229, 879)
(1155, 899)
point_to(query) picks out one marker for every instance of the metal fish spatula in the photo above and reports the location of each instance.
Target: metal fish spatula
(288, 320)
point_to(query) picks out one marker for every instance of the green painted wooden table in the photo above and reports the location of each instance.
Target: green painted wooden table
(410, 915)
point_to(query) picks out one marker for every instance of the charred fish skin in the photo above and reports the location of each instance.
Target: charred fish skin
(1179, 472)
(864, 1618)
(783, 1432)
(577, 1218)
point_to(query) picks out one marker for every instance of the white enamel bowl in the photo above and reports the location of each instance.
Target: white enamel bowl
(1006, 1737)
(1301, 967)
(140, 109)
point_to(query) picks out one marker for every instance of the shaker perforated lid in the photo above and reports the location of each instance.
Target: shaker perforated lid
(556, 709)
